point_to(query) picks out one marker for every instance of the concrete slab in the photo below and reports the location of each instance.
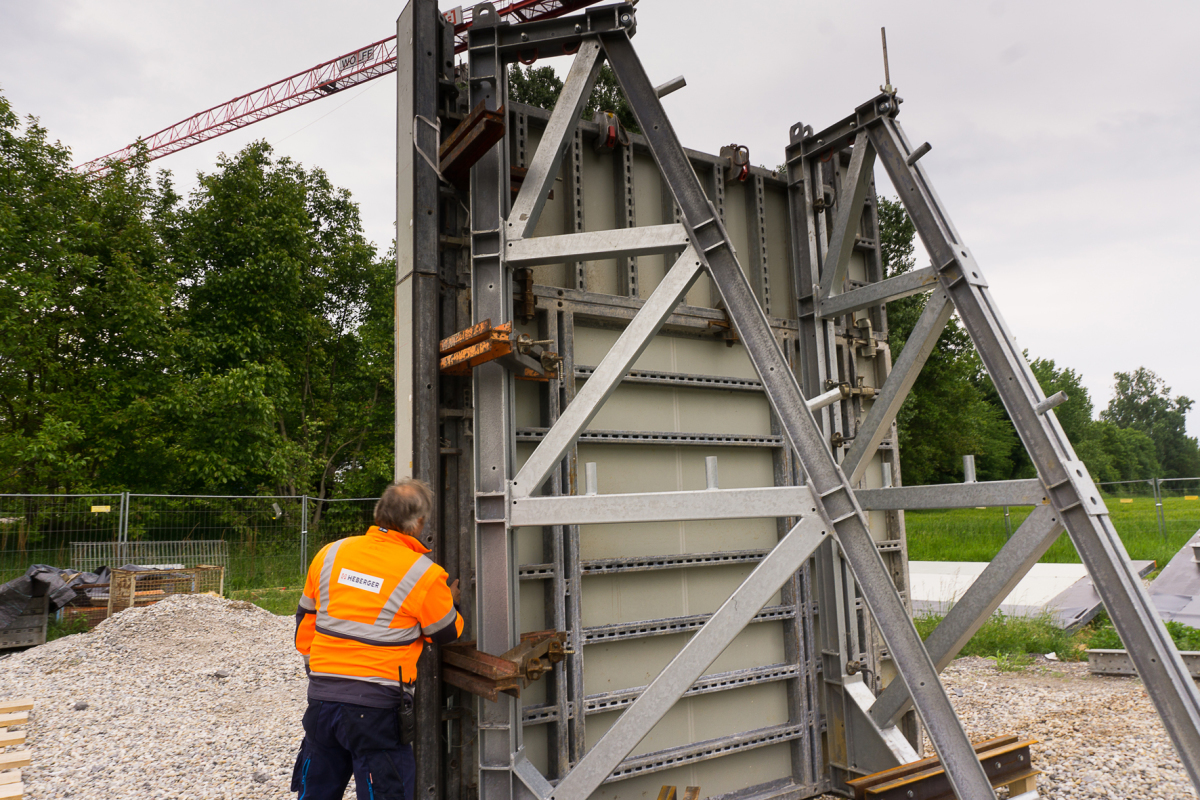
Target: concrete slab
(1176, 590)
(1063, 590)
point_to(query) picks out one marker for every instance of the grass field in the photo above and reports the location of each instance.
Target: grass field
(978, 534)
(280, 600)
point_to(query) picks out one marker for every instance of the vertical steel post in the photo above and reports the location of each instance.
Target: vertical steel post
(491, 295)
(420, 65)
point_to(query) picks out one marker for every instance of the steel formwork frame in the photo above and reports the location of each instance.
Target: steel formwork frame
(825, 555)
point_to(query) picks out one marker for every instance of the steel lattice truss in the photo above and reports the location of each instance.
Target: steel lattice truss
(827, 508)
(330, 77)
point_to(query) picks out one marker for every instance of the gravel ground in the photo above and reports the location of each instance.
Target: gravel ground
(1097, 736)
(199, 697)
(193, 697)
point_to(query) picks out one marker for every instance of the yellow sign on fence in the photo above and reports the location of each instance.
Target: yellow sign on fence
(101, 509)
(1126, 499)
(1191, 497)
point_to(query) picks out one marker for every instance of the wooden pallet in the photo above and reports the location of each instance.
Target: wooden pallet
(13, 713)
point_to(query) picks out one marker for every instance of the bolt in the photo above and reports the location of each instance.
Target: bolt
(579, 29)
(524, 37)
(625, 18)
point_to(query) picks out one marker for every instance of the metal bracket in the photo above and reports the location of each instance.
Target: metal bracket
(481, 343)
(487, 676)
(1089, 496)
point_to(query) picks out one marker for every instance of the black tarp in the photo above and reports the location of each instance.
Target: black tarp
(62, 587)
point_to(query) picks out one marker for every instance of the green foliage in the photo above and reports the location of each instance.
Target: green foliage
(281, 601)
(539, 86)
(1186, 638)
(948, 414)
(1142, 401)
(534, 86)
(86, 286)
(1008, 640)
(607, 96)
(954, 409)
(58, 628)
(968, 534)
(1011, 662)
(278, 280)
(238, 342)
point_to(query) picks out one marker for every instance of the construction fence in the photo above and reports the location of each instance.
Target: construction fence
(260, 541)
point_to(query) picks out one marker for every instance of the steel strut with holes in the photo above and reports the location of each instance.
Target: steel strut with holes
(827, 507)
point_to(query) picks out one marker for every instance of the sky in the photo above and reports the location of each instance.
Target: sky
(1060, 130)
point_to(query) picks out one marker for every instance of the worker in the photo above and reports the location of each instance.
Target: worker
(369, 605)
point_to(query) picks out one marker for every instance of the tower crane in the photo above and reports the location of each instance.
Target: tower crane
(330, 77)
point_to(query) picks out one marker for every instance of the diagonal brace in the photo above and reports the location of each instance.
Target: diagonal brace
(603, 382)
(695, 657)
(833, 495)
(907, 368)
(527, 208)
(855, 186)
(1030, 542)
(1068, 485)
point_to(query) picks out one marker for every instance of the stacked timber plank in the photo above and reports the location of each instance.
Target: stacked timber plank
(1007, 760)
(12, 714)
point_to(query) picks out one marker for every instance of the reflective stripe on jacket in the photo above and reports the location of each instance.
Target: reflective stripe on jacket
(369, 605)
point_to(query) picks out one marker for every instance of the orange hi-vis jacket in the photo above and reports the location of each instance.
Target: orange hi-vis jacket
(369, 605)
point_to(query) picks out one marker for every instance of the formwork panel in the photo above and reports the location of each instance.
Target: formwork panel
(691, 355)
(783, 293)
(586, 319)
(649, 195)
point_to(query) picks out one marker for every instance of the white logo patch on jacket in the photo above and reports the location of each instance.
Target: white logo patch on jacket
(348, 577)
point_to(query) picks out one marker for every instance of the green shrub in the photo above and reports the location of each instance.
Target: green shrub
(58, 628)
(1186, 638)
(1004, 636)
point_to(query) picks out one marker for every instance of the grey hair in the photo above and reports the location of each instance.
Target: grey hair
(403, 504)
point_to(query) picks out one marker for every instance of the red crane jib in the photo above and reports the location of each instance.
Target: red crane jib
(330, 77)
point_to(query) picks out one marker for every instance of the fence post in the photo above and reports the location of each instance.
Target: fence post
(1158, 510)
(123, 528)
(304, 534)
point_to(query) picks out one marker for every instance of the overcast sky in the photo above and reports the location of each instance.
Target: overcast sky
(1060, 131)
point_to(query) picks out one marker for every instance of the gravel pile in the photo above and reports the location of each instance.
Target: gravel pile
(193, 697)
(200, 697)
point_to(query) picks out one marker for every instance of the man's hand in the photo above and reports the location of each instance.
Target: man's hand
(454, 591)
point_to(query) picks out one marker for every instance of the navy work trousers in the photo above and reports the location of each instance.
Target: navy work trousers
(342, 739)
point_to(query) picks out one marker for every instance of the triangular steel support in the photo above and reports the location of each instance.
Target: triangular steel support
(827, 505)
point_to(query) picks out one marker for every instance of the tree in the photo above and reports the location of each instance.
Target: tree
(85, 305)
(947, 414)
(280, 392)
(539, 86)
(1074, 415)
(534, 86)
(1142, 401)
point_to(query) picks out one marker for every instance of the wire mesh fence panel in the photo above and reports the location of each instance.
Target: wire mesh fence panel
(40, 529)
(330, 520)
(261, 535)
(1180, 498)
(90, 556)
(1127, 489)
